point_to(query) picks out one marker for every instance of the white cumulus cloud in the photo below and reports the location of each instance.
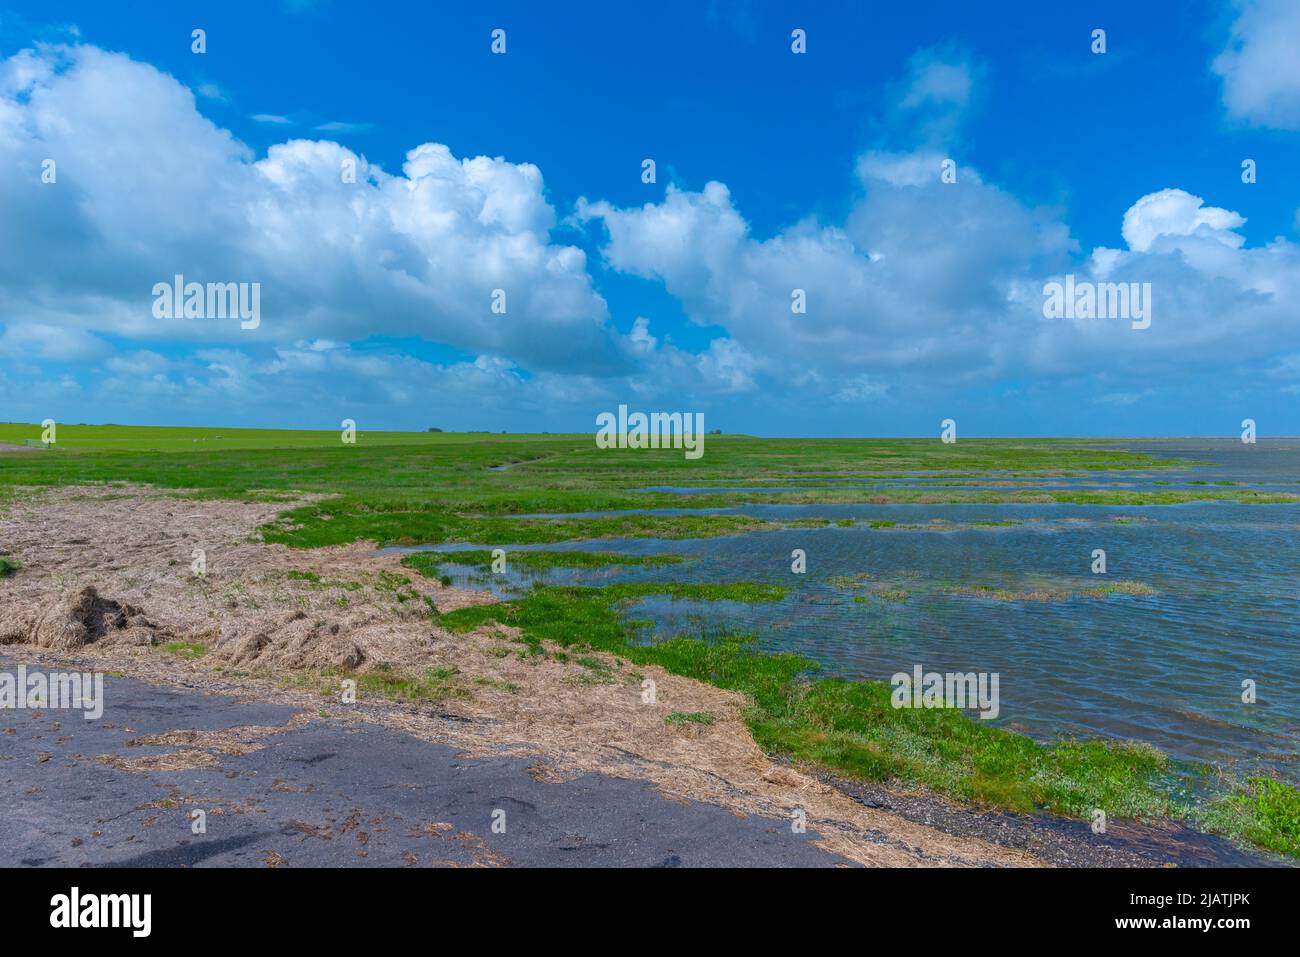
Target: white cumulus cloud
(1260, 66)
(148, 188)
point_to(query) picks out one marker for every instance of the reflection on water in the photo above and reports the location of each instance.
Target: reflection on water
(1167, 669)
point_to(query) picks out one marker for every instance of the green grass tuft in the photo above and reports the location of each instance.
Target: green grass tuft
(436, 685)
(186, 649)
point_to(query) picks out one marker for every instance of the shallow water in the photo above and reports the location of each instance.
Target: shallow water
(1166, 669)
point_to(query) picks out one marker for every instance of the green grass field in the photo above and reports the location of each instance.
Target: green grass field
(161, 438)
(432, 488)
(408, 488)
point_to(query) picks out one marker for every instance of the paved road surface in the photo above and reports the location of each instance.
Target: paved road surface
(328, 795)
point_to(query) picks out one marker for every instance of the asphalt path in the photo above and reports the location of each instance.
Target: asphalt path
(79, 792)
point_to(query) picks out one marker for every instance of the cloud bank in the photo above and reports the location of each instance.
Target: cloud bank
(928, 283)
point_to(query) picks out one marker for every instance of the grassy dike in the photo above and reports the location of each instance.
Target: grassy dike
(850, 727)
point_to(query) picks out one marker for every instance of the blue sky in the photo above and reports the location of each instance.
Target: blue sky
(775, 171)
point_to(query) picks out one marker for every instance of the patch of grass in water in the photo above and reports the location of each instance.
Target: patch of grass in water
(873, 588)
(996, 593)
(1126, 587)
(424, 562)
(1135, 589)
(882, 594)
(942, 525)
(850, 581)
